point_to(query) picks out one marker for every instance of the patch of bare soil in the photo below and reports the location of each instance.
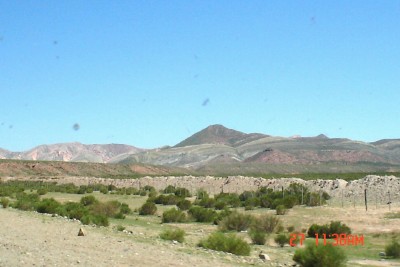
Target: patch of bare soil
(30, 239)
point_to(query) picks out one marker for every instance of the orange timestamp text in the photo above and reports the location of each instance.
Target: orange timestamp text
(324, 239)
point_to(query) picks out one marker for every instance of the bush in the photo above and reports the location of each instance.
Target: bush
(201, 214)
(281, 210)
(282, 239)
(88, 200)
(108, 209)
(48, 205)
(148, 208)
(206, 202)
(335, 227)
(167, 199)
(176, 234)
(73, 210)
(169, 189)
(182, 192)
(184, 204)
(258, 237)
(236, 221)
(266, 223)
(227, 243)
(26, 201)
(120, 228)
(393, 249)
(201, 194)
(4, 202)
(42, 191)
(173, 215)
(320, 256)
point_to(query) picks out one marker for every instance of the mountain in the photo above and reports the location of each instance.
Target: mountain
(220, 150)
(72, 152)
(217, 149)
(218, 134)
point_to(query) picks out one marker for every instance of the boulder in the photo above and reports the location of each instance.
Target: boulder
(264, 256)
(81, 232)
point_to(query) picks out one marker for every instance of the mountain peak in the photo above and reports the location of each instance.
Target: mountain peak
(218, 134)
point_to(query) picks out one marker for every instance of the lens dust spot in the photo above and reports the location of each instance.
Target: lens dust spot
(76, 127)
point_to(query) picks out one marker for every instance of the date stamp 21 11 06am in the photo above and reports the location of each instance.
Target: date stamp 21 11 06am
(324, 239)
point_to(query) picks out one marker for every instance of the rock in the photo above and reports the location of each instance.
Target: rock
(264, 256)
(81, 233)
(382, 254)
(174, 242)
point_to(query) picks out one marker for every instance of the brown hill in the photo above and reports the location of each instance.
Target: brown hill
(218, 134)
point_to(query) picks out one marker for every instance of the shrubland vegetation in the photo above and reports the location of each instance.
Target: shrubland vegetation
(224, 210)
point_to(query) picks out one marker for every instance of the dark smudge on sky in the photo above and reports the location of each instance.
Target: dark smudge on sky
(205, 102)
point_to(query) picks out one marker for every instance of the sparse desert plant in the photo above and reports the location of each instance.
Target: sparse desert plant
(320, 256)
(290, 228)
(184, 204)
(148, 208)
(201, 194)
(335, 227)
(88, 200)
(173, 234)
(227, 243)
(266, 223)
(173, 215)
(42, 191)
(281, 210)
(182, 192)
(4, 202)
(48, 205)
(120, 228)
(393, 249)
(236, 221)
(258, 237)
(201, 214)
(282, 239)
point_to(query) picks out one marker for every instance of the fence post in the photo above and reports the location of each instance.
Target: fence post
(365, 197)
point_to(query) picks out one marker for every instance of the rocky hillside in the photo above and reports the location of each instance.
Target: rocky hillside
(218, 150)
(76, 152)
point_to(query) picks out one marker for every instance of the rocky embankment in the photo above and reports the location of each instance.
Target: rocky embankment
(379, 188)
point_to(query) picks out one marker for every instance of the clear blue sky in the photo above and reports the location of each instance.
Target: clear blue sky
(151, 73)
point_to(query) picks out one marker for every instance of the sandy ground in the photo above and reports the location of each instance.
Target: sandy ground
(30, 239)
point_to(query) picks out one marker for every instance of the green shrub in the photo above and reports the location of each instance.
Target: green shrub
(48, 205)
(99, 220)
(4, 202)
(320, 256)
(266, 223)
(173, 234)
(201, 194)
(148, 208)
(173, 215)
(26, 201)
(282, 239)
(167, 199)
(184, 204)
(227, 243)
(108, 209)
(335, 227)
(205, 202)
(124, 209)
(182, 192)
(281, 210)
(73, 210)
(88, 200)
(170, 189)
(258, 237)
(42, 191)
(120, 228)
(290, 228)
(201, 214)
(236, 221)
(393, 249)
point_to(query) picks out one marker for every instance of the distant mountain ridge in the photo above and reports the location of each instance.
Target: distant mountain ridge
(219, 150)
(72, 152)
